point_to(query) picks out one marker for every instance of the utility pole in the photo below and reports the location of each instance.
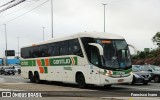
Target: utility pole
(43, 33)
(52, 17)
(104, 15)
(18, 45)
(18, 38)
(6, 43)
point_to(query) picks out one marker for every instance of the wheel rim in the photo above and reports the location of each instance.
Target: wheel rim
(156, 79)
(81, 80)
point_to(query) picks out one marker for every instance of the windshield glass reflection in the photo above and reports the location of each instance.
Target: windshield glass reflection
(116, 53)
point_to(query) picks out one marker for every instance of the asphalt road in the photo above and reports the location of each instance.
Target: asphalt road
(61, 90)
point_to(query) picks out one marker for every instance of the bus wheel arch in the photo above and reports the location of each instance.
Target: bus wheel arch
(31, 77)
(80, 79)
(37, 77)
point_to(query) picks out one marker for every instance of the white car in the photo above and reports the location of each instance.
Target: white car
(17, 69)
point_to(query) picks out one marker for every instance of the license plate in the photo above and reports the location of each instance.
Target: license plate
(146, 79)
(120, 80)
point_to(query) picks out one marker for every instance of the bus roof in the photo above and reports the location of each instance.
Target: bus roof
(102, 35)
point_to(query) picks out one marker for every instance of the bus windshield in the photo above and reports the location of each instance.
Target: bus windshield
(116, 53)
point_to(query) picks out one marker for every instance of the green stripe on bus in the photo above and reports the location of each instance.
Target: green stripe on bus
(45, 69)
(42, 62)
(125, 71)
(33, 62)
(28, 63)
(53, 62)
(76, 62)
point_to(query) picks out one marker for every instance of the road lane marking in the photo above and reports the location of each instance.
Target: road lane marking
(16, 83)
(5, 89)
(138, 88)
(1, 89)
(129, 98)
(13, 77)
(2, 80)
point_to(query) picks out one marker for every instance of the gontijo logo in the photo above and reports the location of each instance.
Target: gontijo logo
(65, 61)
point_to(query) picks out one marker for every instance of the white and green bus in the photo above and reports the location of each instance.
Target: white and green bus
(84, 58)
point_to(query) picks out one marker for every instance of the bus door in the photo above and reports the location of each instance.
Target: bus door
(94, 70)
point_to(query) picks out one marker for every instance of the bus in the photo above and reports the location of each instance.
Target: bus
(95, 58)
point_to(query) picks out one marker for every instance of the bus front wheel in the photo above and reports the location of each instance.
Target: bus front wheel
(81, 80)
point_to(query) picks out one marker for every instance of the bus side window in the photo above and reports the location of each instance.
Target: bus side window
(50, 49)
(53, 49)
(43, 50)
(63, 47)
(85, 41)
(25, 52)
(29, 53)
(34, 52)
(74, 48)
(94, 56)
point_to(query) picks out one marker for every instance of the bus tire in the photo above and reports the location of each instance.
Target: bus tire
(37, 78)
(81, 80)
(31, 77)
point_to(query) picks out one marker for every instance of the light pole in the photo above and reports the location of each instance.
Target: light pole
(18, 38)
(6, 43)
(18, 45)
(104, 15)
(52, 17)
(43, 33)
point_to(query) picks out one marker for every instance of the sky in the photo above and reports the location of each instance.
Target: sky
(136, 20)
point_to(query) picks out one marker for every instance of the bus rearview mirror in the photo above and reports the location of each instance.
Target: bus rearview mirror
(100, 48)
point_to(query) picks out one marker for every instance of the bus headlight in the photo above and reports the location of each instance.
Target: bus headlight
(108, 74)
(130, 73)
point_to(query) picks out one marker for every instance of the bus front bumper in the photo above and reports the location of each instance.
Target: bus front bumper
(113, 80)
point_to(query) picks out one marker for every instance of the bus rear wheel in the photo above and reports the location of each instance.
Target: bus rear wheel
(31, 77)
(37, 79)
(81, 80)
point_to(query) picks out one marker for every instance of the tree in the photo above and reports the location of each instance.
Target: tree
(142, 55)
(156, 38)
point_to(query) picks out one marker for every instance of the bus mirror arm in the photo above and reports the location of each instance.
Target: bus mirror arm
(100, 48)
